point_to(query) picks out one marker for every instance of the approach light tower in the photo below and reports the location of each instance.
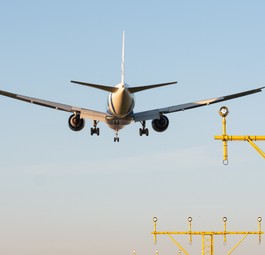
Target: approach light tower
(207, 236)
(225, 138)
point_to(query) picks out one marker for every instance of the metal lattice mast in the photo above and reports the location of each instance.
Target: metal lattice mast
(207, 244)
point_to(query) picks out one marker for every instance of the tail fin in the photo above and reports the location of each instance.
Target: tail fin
(122, 59)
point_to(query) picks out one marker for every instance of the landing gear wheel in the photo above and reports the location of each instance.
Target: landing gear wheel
(143, 130)
(94, 129)
(116, 139)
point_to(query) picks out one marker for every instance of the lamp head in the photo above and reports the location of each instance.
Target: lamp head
(223, 111)
(224, 219)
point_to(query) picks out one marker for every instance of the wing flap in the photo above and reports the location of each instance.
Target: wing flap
(93, 115)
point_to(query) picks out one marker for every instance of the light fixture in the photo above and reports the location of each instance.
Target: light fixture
(223, 111)
(259, 219)
(155, 219)
(189, 219)
(224, 219)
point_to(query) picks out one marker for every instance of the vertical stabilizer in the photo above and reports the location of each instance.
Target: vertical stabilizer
(122, 59)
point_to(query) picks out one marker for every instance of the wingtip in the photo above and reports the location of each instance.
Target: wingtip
(259, 89)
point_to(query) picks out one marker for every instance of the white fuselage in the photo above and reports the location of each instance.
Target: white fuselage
(120, 106)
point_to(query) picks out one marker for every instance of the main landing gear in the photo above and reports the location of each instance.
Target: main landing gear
(143, 130)
(94, 129)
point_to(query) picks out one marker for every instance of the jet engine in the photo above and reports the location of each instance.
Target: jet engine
(160, 125)
(76, 123)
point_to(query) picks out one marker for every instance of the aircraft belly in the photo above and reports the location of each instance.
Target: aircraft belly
(117, 124)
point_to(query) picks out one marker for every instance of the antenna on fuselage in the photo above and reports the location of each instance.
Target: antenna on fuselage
(122, 59)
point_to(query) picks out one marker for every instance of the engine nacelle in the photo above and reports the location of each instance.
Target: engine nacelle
(76, 123)
(160, 125)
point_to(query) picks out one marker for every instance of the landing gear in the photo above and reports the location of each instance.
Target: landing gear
(94, 129)
(116, 138)
(143, 130)
(117, 124)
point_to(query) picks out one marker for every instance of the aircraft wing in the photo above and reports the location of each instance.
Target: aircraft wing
(84, 113)
(156, 113)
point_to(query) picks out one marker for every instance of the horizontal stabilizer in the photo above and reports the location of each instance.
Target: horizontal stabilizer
(97, 86)
(141, 88)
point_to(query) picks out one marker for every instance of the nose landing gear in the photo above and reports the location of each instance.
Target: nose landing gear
(116, 138)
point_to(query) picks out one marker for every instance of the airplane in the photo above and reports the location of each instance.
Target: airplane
(119, 112)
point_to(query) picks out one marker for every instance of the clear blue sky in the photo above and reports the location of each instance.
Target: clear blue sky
(64, 193)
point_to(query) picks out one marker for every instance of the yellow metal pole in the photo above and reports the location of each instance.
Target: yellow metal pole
(203, 246)
(212, 245)
(240, 137)
(190, 235)
(225, 149)
(256, 148)
(259, 227)
(155, 220)
(178, 244)
(237, 245)
(225, 138)
(224, 220)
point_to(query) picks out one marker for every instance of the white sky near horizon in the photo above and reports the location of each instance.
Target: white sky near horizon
(67, 193)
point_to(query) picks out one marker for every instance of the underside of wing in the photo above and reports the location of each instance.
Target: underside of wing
(156, 113)
(84, 113)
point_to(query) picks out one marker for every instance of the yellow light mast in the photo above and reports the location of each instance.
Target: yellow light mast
(206, 236)
(225, 138)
